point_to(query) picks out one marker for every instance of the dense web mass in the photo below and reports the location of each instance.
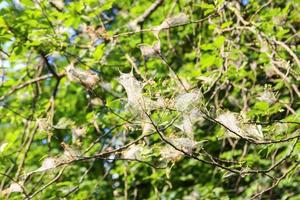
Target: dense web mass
(142, 99)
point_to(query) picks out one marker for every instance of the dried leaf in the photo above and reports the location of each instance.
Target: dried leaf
(147, 50)
(78, 132)
(205, 79)
(156, 47)
(147, 126)
(86, 78)
(3, 146)
(48, 163)
(43, 124)
(96, 101)
(169, 153)
(150, 51)
(179, 19)
(58, 3)
(70, 153)
(133, 152)
(14, 187)
(254, 131)
(194, 195)
(267, 96)
(228, 174)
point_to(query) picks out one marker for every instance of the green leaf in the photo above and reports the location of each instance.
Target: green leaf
(263, 106)
(207, 47)
(207, 60)
(99, 51)
(219, 41)
(226, 24)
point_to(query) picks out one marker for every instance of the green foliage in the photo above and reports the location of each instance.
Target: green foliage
(153, 99)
